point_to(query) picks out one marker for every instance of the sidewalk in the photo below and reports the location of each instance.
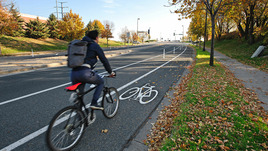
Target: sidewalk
(15, 64)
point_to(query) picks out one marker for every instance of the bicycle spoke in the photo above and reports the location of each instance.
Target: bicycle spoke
(66, 129)
(110, 103)
(108, 109)
(60, 140)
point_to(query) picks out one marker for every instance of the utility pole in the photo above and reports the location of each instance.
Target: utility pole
(62, 13)
(57, 9)
(61, 8)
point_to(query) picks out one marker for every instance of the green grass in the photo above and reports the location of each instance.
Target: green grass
(13, 45)
(215, 115)
(241, 51)
(111, 43)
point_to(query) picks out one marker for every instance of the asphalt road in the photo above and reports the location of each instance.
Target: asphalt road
(29, 100)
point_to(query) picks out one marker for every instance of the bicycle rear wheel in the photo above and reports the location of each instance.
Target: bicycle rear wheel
(147, 99)
(129, 93)
(65, 129)
(110, 102)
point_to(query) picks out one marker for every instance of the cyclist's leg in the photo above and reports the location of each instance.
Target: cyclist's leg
(86, 75)
(94, 78)
(98, 81)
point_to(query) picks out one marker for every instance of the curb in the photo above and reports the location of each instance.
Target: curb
(58, 64)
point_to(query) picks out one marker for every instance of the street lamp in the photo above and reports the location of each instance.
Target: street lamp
(138, 25)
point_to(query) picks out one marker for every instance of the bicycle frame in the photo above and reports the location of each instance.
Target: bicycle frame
(79, 99)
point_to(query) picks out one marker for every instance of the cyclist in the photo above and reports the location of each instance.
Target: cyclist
(85, 73)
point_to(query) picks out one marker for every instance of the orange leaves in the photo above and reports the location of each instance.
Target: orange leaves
(206, 111)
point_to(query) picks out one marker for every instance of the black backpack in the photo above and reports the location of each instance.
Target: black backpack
(77, 50)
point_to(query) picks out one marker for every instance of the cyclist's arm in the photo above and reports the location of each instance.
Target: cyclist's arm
(103, 59)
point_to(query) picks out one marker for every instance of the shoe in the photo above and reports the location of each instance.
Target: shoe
(96, 107)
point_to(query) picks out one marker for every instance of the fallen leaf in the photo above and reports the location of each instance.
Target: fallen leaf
(224, 119)
(104, 131)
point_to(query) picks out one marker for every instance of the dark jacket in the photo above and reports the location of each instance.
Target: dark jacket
(93, 51)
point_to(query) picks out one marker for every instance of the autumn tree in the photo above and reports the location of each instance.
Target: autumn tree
(134, 36)
(4, 20)
(97, 25)
(250, 15)
(36, 29)
(52, 24)
(89, 26)
(189, 7)
(123, 35)
(197, 25)
(71, 26)
(16, 22)
(107, 31)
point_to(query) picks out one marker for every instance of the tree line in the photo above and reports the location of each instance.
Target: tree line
(70, 27)
(247, 18)
(244, 19)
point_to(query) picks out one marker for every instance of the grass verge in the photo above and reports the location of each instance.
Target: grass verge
(210, 110)
(13, 45)
(242, 51)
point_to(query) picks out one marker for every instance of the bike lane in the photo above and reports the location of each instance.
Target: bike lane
(124, 125)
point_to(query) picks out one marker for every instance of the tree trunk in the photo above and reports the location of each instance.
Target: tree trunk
(251, 22)
(247, 28)
(205, 34)
(241, 30)
(211, 63)
(107, 42)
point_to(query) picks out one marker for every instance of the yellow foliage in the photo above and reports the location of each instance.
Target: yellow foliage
(71, 27)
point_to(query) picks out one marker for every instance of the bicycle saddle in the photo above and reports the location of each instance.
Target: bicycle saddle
(73, 87)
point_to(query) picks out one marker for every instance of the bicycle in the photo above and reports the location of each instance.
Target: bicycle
(67, 126)
(143, 93)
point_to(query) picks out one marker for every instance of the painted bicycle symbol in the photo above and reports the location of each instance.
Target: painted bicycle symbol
(144, 94)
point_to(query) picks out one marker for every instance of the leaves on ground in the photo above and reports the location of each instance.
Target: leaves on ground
(210, 110)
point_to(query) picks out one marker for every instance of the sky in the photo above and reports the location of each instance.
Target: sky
(123, 13)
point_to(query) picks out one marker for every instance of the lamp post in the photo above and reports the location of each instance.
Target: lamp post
(138, 25)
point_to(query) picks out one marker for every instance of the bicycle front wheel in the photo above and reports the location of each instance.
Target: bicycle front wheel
(129, 93)
(65, 129)
(110, 102)
(147, 99)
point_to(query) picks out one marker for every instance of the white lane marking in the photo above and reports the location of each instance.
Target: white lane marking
(32, 94)
(42, 130)
(42, 91)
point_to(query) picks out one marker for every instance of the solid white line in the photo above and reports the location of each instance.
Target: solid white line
(128, 84)
(42, 91)
(42, 130)
(25, 96)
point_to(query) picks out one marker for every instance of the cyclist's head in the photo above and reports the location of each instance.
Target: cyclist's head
(93, 34)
